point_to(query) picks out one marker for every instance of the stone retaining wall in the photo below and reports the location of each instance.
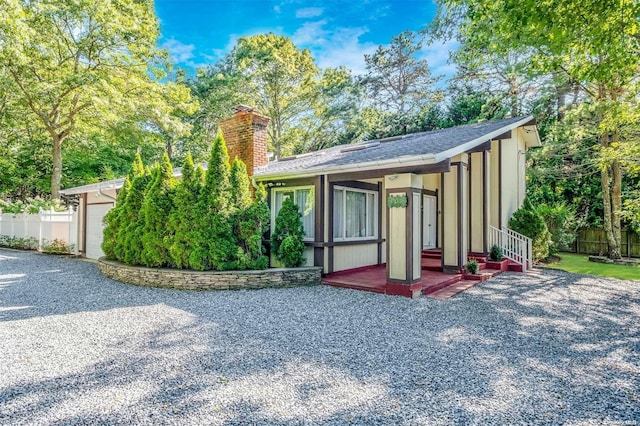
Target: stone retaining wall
(209, 280)
(626, 261)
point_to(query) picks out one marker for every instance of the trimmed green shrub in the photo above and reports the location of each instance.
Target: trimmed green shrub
(496, 254)
(19, 243)
(527, 221)
(207, 221)
(562, 224)
(249, 222)
(113, 218)
(240, 193)
(129, 241)
(215, 197)
(156, 208)
(183, 220)
(287, 239)
(216, 187)
(472, 267)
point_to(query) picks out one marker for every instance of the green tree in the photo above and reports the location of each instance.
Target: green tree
(215, 207)
(239, 191)
(218, 88)
(85, 64)
(249, 219)
(156, 209)
(399, 83)
(113, 220)
(186, 244)
(333, 118)
(469, 105)
(281, 78)
(561, 223)
(287, 238)
(129, 247)
(575, 39)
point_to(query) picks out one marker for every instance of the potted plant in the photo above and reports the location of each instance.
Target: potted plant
(471, 271)
(496, 259)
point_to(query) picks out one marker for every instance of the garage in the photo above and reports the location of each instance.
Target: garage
(95, 215)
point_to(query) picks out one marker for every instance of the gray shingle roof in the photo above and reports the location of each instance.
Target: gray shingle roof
(436, 143)
(433, 146)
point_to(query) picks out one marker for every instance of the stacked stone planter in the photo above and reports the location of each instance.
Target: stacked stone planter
(210, 280)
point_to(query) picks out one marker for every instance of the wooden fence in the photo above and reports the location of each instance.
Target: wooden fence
(594, 241)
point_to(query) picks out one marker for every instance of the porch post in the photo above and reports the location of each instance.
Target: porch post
(403, 200)
(455, 217)
(477, 203)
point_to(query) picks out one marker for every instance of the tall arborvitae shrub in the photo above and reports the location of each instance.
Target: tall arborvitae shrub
(129, 245)
(249, 219)
(183, 220)
(156, 208)
(215, 208)
(286, 241)
(114, 218)
(199, 255)
(240, 193)
(527, 221)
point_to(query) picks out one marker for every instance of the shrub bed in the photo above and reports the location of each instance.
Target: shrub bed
(207, 221)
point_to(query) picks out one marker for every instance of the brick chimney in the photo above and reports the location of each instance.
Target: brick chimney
(246, 136)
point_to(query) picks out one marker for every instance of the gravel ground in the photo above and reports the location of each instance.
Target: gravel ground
(549, 348)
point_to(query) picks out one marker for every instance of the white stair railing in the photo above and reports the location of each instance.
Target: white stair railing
(515, 246)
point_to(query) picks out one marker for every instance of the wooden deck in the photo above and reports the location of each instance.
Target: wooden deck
(435, 283)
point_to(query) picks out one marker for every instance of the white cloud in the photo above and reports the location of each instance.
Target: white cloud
(334, 47)
(309, 12)
(437, 55)
(310, 33)
(178, 51)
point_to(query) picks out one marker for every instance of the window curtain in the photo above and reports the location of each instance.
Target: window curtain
(356, 225)
(338, 213)
(371, 209)
(304, 200)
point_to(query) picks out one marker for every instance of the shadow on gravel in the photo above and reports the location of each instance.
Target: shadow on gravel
(536, 349)
(36, 285)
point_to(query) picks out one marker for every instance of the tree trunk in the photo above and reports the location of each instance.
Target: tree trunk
(610, 217)
(616, 208)
(56, 174)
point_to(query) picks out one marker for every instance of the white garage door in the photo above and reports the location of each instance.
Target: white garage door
(95, 214)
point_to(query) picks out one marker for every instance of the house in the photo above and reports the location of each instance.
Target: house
(377, 202)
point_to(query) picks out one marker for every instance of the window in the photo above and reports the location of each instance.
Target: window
(304, 199)
(355, 213)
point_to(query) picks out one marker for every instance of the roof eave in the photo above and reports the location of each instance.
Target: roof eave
(359, 167)
(479, 141)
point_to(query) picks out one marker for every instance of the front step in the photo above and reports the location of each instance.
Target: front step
(430, 289)
(453, 289)
(482, 276)
(432, 261)
(431, 255)
(515, 267)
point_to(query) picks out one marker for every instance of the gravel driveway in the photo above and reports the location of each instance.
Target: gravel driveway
(78, 348)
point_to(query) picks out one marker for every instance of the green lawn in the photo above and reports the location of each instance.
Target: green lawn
(579, 264)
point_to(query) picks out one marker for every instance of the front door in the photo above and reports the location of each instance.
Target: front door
(429, 215)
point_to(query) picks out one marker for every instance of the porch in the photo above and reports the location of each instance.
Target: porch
(433, 281)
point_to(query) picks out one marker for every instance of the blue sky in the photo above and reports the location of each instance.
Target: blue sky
(199, 32)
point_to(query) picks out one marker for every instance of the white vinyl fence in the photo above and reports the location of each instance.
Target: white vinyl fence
(44, 227)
